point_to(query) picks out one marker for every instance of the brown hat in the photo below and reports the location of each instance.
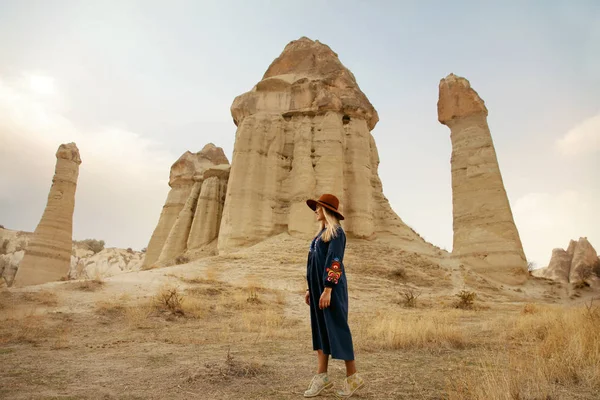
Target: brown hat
(328, 201)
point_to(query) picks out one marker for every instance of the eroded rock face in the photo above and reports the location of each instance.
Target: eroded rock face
(108, 262)
(578, 263)
(584, 261)
(48, 255)
(188, 177)
(207, 217)
(484, 228)
(559, 266)
(304, 130)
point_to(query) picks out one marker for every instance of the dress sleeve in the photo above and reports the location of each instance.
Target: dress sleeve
(333, 260)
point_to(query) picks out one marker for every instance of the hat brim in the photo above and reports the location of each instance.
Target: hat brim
(313, 206)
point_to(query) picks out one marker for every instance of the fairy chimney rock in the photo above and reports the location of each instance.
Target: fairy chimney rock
(48, 255)
(484, 228)
(579, 262)
(458, 100)
(583, 262)
(174, 232)
(306, 79)
(304, 130)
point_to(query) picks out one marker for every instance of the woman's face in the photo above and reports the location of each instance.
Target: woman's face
(319, 213)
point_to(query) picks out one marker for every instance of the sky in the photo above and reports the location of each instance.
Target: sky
(137, 83)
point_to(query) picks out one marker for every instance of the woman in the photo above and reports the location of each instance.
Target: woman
(327, 296)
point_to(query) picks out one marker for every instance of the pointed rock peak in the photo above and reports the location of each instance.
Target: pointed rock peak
(191, 166)
(214, 154)
(307, 57)
(458, 100)
(571, 247)
(69, 151)
(306, 79)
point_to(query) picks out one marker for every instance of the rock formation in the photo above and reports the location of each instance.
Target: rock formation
(560, 265)
(484, 230)
(578, 263)
(12, 250)
(85, 264)
(203, 174)
(48, 255)
(305, 130)
(584, 259)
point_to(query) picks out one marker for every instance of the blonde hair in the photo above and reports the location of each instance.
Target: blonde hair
(332, 224)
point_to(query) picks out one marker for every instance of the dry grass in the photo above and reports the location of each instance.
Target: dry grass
(230, 368)
(431, 329)
(546, 349)
(89, 285)
(10, 299)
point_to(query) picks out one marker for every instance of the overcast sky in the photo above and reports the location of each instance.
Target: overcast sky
(137, 83)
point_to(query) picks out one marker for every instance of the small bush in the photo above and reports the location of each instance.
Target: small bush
(4, 247)
(144, 250)
(529, 308)
(181, 260)
(2, 227)
(90, 285)
(253, 296)
(399, 273)
(466, 299)
(580, 284)
(409, 297)
(92, 244)
(130, 250)
(171, 300)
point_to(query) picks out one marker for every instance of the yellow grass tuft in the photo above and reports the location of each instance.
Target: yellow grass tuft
(431, 329)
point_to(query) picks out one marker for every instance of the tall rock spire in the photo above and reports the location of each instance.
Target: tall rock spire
(304, 130)
(48, 256)
(183, 224)
(484, 230)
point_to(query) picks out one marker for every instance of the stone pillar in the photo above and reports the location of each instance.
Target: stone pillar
(484, 229)
(48, 256)
(176, 242)
(207, 218)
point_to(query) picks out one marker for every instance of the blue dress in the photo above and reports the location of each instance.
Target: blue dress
(325, 268)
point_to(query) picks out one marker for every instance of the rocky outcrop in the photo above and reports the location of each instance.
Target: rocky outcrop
(560, 265)
(86, 264)
(12, 250)
(578, 263)
(485, 234)
(305, 130)
(48, 255)
(191, 175)
(584, 260)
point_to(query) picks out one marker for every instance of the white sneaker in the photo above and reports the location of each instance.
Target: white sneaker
(350, 385)
(319, 383)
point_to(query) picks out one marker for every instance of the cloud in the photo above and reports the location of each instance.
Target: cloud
(549, 220)
(122, 179)
(581, 139)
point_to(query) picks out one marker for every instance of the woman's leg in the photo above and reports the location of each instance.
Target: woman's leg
(350, 368)
(323, 361)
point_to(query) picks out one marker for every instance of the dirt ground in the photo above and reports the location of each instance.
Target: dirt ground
(236, 327)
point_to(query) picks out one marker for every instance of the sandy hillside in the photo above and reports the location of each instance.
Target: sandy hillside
(236, 327)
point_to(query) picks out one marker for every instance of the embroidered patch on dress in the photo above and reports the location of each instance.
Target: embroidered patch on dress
(334, 272)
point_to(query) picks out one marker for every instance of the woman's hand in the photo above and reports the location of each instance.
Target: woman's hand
(325, 299)
(307, 298)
